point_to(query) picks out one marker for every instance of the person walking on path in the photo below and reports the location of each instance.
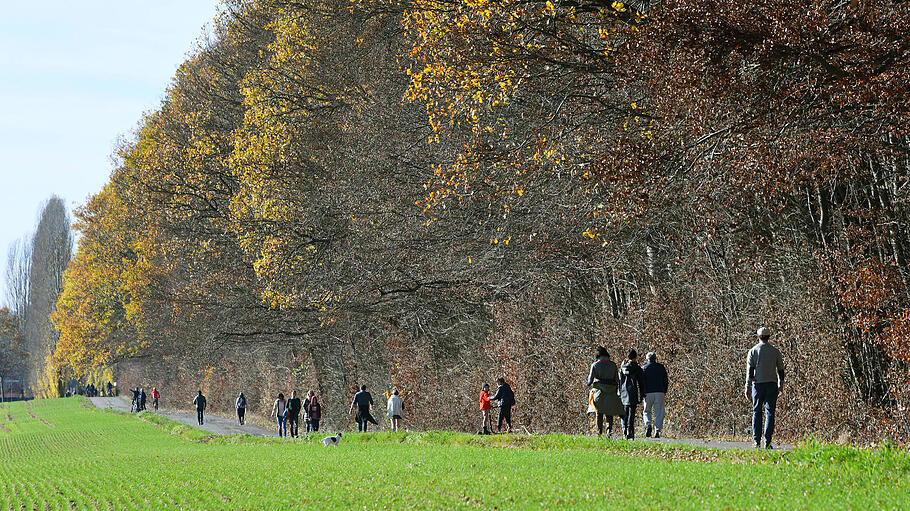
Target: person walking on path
(485, 407)
(656, 384)
(362, 400)
(506, 399)
(280, 411)
(240, 405)
(764, 383)
(631, 391)
(155, 397)
(134, 404)
(294, 408)
(199, 404)
(605, 380)
(142, 399)
(395, 409)
(110, 389)
(305, 409)
(313, 412)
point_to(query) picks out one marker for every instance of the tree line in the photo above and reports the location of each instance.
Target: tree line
(428, 194)
(34, 279)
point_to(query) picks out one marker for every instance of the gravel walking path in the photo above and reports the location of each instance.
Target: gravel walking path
(213, 423)
(222, 426)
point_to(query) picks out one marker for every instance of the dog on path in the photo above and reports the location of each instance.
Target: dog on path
(331, 440)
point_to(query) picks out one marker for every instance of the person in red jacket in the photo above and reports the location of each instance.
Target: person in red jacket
(485, 407)
(155, 396)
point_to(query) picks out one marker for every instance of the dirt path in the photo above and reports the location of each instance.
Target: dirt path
(213, 423)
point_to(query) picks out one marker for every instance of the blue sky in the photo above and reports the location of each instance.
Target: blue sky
(73, 77)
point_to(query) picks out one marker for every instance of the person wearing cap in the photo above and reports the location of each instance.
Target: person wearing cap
(764, 382)
(656, 384)
(604, 395)
(631, 391)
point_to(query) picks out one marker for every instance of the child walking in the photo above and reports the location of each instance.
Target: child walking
(485, 407)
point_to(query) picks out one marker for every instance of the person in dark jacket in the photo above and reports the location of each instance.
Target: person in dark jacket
(656, 384)
(294, 408)
(631, 391)
(241, 408)
(362, 400)
(605, 378)
(506, 399)
(134, 404)
(199, 404)
(142, 399)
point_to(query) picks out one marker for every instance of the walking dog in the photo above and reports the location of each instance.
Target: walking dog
(331, 440)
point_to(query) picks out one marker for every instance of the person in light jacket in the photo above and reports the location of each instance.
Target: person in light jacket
(280, 412)
(395, 409)
(764, 383)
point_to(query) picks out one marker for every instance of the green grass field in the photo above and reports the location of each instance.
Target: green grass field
(62, 454)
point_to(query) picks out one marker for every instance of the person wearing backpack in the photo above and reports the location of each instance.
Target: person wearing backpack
(631, 390)
(313, 412)
(199, 404)
(506, 399)
(241, 408)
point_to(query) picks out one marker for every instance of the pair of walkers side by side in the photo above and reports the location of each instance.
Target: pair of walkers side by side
(506, 397)
(619, 391)
(312, 412)
(139, 399)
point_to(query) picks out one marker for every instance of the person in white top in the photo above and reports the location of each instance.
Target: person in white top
(395, 409)
(279, 411)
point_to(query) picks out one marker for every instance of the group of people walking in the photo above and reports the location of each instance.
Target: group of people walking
(618, 392)
(140, 398)
(287, 413)
(615, 392)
